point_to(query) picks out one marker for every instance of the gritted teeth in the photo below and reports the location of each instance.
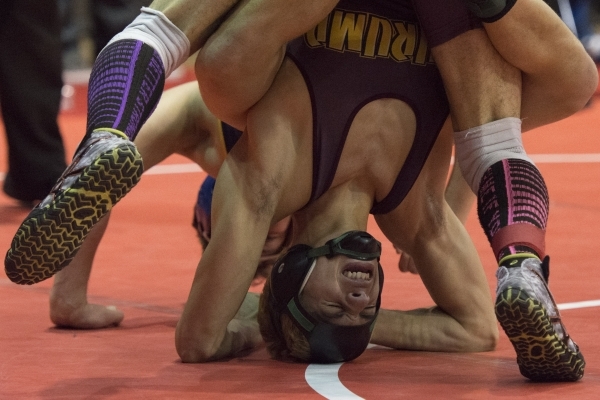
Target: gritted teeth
(357, 275)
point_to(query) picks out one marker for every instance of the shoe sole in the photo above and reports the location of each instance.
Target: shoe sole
(541, 354)
(50, 237)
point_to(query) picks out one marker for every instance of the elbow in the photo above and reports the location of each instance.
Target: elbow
(192, 353)
(192, 348)
(489, 342)
(484, 339)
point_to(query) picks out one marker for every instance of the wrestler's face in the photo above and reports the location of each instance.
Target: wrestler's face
(275, 240)
(342, 290)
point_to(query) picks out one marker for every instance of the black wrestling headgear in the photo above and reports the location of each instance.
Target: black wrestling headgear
(329, 343)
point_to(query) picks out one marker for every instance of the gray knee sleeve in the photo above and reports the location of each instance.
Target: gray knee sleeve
(479, 148)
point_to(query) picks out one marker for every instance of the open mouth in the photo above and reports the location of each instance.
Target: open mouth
(359, 271)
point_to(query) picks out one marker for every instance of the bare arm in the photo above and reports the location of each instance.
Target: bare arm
(262, 179)
(223, 275)
(463, 319)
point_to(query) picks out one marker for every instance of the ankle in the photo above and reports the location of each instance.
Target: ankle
(64, 300)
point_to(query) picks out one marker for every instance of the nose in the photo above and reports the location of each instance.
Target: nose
(357, 300)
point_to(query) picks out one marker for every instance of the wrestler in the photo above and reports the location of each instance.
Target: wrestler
(221, 108)
(469, 324)
(181, 124)
(512, 198)
(561, 358)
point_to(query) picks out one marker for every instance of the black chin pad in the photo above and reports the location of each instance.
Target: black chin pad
(331, 343)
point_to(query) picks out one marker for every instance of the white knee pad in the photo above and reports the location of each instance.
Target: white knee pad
(477, 149)
(154, 28)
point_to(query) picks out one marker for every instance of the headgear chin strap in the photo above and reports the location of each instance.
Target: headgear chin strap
(329, 343)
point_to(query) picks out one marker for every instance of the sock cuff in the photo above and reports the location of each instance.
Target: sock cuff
(153, 28)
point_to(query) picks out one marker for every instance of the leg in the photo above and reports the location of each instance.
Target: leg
(239, 61)
(181, 124)
(559, 77)
(69, 307)
(30, 93)
(547, 58)
(512, 196)
(125, 85)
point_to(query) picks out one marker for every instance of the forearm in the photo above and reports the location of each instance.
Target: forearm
(223, 276)
(206, 333)
(427, 329)
(242, 332)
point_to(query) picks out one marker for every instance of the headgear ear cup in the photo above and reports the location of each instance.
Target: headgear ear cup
(288, 274)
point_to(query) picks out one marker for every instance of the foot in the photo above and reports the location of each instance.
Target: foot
(65, 314)
(529, 316)
(104, 170)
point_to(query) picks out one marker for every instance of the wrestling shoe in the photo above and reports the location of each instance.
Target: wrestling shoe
(529, 316)
(104, 169)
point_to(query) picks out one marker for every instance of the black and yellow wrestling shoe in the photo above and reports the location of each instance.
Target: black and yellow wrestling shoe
(529, 316)
(104, 169)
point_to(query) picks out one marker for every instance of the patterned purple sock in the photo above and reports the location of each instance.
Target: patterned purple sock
(126, 83)
(513, 192)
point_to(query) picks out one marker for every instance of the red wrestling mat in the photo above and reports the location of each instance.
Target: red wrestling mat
(146, 263)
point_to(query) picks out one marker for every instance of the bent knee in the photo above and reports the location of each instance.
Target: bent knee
(222, 65)
(234, 74)
(587, 85)
(217, 74)
(578, 87)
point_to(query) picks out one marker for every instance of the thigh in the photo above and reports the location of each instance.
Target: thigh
(197, 19)
(239, 61)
